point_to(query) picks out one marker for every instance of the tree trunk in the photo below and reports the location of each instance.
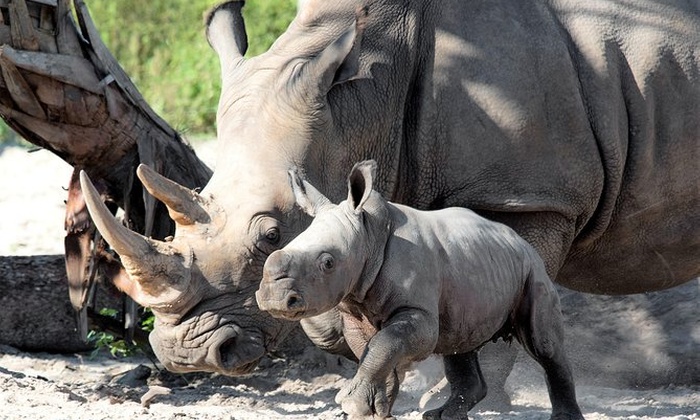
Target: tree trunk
(62, 90)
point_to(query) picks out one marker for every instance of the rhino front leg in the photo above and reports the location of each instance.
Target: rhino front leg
(467, 387)
(409, 335)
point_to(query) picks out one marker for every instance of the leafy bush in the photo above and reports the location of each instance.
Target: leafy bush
(115, 343)
(161, 45)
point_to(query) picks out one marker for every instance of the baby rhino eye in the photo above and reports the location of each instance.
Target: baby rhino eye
(327, 262)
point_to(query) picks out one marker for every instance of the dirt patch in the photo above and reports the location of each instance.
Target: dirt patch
(44, 386)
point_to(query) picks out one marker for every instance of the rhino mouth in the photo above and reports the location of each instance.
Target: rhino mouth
(230, 350)
(288, 315)
(231, 361)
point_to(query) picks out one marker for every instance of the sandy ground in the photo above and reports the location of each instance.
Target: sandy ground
(44, 386)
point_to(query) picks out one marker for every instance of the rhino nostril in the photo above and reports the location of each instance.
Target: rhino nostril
(226, 351)
(294, 301)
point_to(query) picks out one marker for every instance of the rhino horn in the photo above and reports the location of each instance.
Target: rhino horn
(145, 260)
(183, 203)
(123, 240)
(225, 30)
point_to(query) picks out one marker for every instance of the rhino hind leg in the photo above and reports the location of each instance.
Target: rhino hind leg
(467, 385)
(539, 327)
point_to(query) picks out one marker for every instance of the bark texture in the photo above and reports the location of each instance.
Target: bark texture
(34, 312)
(62, 90)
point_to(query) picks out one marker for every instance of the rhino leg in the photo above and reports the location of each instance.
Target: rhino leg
(540, 329)
(497, 360)
(467, 385)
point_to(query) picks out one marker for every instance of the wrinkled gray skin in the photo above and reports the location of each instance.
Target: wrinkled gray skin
(444, 281)
(575, 123)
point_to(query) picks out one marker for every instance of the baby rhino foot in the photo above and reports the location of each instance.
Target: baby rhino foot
(467, 387)
(455, 408)
(576, 415)
(362, 398)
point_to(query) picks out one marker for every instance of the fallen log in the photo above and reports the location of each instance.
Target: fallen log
(34, 312)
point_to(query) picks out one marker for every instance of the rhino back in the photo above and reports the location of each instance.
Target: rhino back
(467, 269)
(586, 110)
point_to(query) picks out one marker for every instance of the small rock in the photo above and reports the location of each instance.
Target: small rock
(153, 391)
(72, 396)
(136, 377)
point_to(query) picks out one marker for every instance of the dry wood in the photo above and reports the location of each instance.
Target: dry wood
(19, 89)
(75, 71)
(63, 90)
(67, 39)
(22, 31)
(112, 66)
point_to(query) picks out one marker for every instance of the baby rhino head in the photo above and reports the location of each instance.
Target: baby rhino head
(322, 265)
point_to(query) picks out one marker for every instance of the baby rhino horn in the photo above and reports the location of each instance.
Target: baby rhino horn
(184, 205)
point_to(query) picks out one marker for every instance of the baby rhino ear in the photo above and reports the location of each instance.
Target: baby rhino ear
(307, 197)
(360, 183)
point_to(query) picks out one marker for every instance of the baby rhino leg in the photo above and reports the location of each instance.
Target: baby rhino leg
(467, 387)
(539, 328)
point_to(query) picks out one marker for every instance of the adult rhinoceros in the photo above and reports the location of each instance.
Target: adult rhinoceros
(576, 123)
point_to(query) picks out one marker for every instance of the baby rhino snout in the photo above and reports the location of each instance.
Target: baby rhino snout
(277, 293)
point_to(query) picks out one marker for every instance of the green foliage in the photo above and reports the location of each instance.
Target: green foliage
(161, 45)
(117, 346)
(103, 340)
(147, 320)
(9, 138)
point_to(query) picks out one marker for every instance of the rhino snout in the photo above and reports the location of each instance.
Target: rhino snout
(229, 349)
(281, 301)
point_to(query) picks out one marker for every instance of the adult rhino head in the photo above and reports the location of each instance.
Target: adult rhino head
(200, 284)
(205, 320)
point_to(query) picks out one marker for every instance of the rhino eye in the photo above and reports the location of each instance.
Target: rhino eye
(273, 236)
(327, 262)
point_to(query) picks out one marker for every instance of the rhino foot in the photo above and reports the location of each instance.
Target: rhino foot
(567, 416)
(456, 408)
(363, 398)
(467, 387)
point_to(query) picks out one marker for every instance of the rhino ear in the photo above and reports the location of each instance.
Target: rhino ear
(307, 197)
(339, 62)
(360, 183)
(225, 31)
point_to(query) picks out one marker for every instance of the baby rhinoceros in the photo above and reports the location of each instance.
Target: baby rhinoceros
(443, 282)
